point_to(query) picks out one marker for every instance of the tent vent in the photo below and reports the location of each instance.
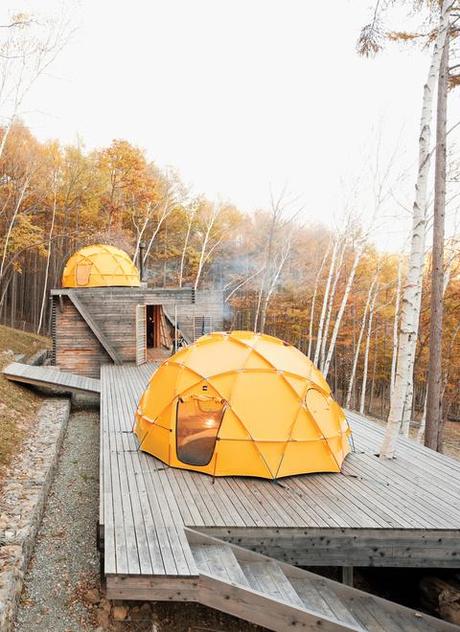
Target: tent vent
(202, 325)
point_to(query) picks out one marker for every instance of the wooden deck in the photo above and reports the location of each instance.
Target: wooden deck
(48, 376)
(400, 513)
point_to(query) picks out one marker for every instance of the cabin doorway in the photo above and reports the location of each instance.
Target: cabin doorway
(153, 326)
(157, 333)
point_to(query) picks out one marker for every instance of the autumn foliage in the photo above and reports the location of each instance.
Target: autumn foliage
(55, 199)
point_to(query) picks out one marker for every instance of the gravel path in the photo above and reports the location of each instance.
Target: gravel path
(62, 591)
(65, 555)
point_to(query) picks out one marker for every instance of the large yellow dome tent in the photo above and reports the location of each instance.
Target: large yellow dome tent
(100, 265)
(242, 404)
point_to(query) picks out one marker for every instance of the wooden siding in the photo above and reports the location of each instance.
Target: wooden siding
(110, 330)
(76, 348)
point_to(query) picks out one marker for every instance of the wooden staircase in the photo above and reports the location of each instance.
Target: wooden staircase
(280, 597)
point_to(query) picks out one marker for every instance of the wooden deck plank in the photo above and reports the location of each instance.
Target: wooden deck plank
(47, 376)
(146, 504)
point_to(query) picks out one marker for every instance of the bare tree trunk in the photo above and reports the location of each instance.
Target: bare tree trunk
(338, 320)
(395, 328)
(358, 344)
(411, 299)
(274, 280)
(434, 392)
(45, 284)
(190, 217)
(11, 224)
(319, 337)
(421, 430)
(313, 302)
(330, 308)
(366, 352)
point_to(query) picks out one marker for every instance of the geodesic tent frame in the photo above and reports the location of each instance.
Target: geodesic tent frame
(100, 265)
(268, 411)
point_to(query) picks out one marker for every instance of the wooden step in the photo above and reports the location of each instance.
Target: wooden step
(220, 561)
(280, 596)
(268, 578)
(340, 611)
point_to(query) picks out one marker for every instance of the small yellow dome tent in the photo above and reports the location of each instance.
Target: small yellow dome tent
(100, 266)
(242, 404)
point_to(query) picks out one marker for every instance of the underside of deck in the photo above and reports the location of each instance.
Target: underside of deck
(404, 512)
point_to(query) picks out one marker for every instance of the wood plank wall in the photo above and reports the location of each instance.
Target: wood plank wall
(114, 311)
(76, 348)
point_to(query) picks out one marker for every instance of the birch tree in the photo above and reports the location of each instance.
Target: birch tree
(190, 213)
(411, 299)
(275, 252)
(367, 347)
(313, 300)
(338, 320)
(48, 256)
(337, 273)
(359, 341)
(394, 354)
(319, 338)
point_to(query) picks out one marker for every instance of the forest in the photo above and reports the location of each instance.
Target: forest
(361, 314)
(332, 294)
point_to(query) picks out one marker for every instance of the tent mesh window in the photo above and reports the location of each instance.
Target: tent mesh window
(197, 426)
(83, 272)
(202, 325)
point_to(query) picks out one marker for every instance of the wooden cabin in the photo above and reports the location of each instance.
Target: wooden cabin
(92, 326)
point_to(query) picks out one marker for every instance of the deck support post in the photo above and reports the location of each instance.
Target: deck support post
(347, 575)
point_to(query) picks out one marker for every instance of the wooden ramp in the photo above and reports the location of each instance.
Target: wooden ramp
(278, 596)
(155, 521)
(48, 376)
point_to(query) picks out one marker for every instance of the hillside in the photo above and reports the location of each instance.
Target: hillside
(18, 404)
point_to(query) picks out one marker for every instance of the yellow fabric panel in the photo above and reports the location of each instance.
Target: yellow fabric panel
(215, 357)
(304, 428)
(315, 376)
(232, 427)
(283, 357)
(100, 265)
(157, 442)
(240, 458)
(256, 361)
(307, 457)
(298, 384)
(319, 407)
(272, 454)
(264, 404)
(224, 384)
(161, 391)
(185, 380)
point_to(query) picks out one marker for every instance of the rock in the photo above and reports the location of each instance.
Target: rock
(104, 604)
(119, 613)
(103, 619)
(92, 596)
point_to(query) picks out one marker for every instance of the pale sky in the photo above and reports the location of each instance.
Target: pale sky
(238, 95)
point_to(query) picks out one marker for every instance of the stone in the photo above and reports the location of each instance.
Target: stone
(120, 613)
(104, 604)
(92, 596)
(103, 619)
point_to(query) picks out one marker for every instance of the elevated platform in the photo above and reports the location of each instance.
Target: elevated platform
(48, 376)
(400, 513)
